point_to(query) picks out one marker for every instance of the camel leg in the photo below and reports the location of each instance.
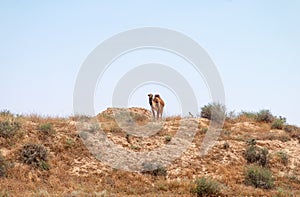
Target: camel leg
(161, 112)
(153, 113)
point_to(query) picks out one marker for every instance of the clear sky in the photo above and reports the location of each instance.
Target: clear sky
(254, 44)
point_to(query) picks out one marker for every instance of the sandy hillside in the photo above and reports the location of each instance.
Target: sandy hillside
(42, 156)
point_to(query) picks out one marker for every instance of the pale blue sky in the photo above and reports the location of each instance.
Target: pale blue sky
(254, 44)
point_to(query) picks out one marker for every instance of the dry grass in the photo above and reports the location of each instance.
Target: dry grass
(73, 171)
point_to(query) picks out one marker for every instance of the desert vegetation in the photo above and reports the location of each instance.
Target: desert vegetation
(256, 154)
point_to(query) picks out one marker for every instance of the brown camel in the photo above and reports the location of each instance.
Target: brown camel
(157, 104)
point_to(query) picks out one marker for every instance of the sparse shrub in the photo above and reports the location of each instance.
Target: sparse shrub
(3, 166)
(46, 128)
(284, 138)
(251, 142)
(204, 130)
(263, 158)
(231, 115)
(249, 115)
(154, 169)
(206, 187)
(284, 158)
(251, 154)
(294, 179)
(226, 145)
(81, 118)
(4, 193)
(6, 113)
(259, 177)
(282, 193)
(35, 155)
(278, 123)
(168, 138)
(69, 143)
(290, 128)
(264, 116)
(9, 128)
(257, 155)
(115, 129)
(135, 147)
(214, 111)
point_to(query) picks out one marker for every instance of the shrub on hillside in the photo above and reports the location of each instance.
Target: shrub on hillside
(278, 123)
(154, 169)
(46, 129)
(6, 113)
(214, 111)
(248, 115)
(290, 128)
(9, 128)
(206, 187)
(3, 166)
(264, 116)
(257, 155)
(35, 155)
(259, 177)
(168, 138)
(283, 157)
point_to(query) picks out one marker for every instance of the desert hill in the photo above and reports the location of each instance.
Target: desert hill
(46, 156)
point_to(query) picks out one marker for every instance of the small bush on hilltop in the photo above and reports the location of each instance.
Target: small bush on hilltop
(214, 111)
(6, 113)
(265, 116)
(259, 177)
(278, 123)
(9, 128)
(35, 155)
(247, 115)
(206, 187)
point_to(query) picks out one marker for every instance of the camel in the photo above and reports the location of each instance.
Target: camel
(157, 104)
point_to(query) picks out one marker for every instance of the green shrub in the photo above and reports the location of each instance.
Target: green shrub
(257, 155)
(4, 193)
(46, 129)
(69, 143)
(206, 187)
(278, 123)
(154, 169)
(259, 177)
(283, 157)
(9, 128)
(204, 130)
(6, 113)
(214, 111)
(168, 138)
(264, 116)
(282, 193)
(35, 155)
(3, 166)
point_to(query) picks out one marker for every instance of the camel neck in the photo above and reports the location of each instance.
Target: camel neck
(150, 101)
